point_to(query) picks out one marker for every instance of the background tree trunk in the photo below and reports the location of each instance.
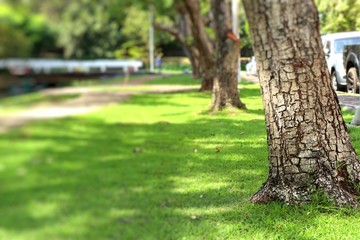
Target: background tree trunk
(189, 46)
(181, 33)
(203, 44)
(309, 147)
(225, 91)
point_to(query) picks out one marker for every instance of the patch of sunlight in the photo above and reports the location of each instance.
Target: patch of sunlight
(193, 184)
(138, 189)
(205, 210)
(259, 142)
(346, 226)
(115, 212)
(65, 226)
(42, 209)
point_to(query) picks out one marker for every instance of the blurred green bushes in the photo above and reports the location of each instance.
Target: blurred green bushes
(23, 34)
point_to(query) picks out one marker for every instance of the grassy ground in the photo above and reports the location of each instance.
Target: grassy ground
(154, 167)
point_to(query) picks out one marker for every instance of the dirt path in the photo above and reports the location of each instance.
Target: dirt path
(90, 99)
(93, 98)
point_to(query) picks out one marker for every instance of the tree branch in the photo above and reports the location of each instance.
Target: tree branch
(171, 30)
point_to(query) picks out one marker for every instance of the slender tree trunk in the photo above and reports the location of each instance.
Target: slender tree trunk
(203, 44)
(195, 62)
(190, 50)
(225, 91)
(189, 47)
(309, 146)
(193, 54)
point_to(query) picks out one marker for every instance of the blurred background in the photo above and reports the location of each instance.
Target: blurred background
(139, 165)
(114, 29)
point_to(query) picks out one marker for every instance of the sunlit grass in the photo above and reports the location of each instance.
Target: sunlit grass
(153, 167)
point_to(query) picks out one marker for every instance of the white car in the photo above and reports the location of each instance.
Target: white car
(251, 67)
(334, 47)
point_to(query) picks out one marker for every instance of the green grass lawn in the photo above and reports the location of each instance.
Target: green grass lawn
(153, 167)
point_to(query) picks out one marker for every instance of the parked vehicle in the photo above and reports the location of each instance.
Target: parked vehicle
(251, 67)
(334, 48)
(352, 66)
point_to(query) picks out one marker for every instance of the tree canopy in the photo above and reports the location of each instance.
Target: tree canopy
(119, 28)
(339, 15)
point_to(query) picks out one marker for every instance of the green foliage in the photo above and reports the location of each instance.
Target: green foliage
(244, 28)
(136, 24)
(13, 43)
(210, 32)
(88, 31)
(136, 32)
(22, 33)
(339, 15)
(245, 33)
(163, 170)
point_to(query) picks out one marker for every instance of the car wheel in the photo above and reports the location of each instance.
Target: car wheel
(352, 81)
(334, 82)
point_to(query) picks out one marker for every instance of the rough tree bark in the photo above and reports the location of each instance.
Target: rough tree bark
(203, 43)
(309, 146)
(225, 90)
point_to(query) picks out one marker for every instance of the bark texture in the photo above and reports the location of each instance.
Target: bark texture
(308, 143)
(203, 44)
(225, 90)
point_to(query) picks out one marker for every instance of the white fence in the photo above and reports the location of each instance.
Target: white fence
(22, 66)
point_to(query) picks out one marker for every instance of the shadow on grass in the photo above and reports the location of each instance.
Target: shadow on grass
(124, 167)
(143, 181)
(85, 178)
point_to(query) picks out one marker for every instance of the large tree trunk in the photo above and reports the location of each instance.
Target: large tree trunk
(203, 44)
(225, 91)
(309, 146)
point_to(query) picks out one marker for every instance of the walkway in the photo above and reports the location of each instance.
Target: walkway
(93, 98)
(90, 99)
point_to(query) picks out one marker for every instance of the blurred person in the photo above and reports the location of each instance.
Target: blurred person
(159, 62)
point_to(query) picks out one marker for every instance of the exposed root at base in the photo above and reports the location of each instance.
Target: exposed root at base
(292, 195)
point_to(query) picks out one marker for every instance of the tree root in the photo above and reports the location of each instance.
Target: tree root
(291, 194)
